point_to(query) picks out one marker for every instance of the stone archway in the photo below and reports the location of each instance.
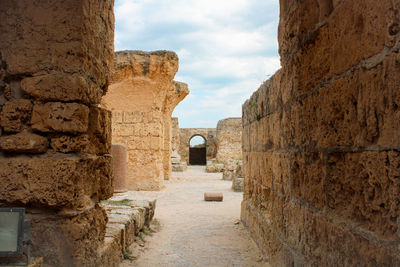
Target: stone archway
(197, 151)
(185, 134)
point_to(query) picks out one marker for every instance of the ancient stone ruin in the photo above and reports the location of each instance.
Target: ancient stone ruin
(320, 138)
(229, 147)
(177, 164)
(223, 144)
(142, 97)
(186, 134)
(223, 149)
(54, 137)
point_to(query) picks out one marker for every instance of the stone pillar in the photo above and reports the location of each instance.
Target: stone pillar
(138, 97)
(175, 95)
(120, 161)
(175, 139)
(321, 138)
(55, 60)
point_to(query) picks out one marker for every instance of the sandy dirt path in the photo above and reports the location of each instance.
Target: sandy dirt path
(194, 232)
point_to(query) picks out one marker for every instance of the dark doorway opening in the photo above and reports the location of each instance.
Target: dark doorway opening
(197, 150)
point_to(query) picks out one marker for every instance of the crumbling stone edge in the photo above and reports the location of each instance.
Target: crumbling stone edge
(124, 224)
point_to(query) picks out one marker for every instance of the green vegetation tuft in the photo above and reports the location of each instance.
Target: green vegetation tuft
(253, 105)
(124, 202)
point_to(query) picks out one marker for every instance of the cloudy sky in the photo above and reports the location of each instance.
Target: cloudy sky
(226, 49)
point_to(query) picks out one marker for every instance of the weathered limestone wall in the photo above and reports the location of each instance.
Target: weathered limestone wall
(185, 134)
(175, 95)
(55, 61)
(229, 139)
(321, 138)
(175, 139)
(142, 97)
(229, 147)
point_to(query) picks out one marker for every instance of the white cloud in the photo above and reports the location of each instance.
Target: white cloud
(226, 48)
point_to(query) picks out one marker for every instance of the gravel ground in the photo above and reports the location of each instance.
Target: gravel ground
(191, 231)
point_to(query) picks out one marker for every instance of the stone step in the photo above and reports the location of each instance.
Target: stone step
(125, 221)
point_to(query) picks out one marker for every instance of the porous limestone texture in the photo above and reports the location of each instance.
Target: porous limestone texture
(177, 164)
(232, 169)
(214, 166)
(179, 167)
(229, 139)
(126, 219)
(141, 98)
(185, 134)
(229, 147)
(238, 184)
(228, 142)
(321, 138)
(55, 63)
(175, 139)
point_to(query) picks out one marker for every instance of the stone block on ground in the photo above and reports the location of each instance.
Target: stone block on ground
(180, 167)
(110, 252)
(232, 169)
(238, 184)
(175, 157)
(150, 207)
(213, 196)
(215, 167)
(126, 218)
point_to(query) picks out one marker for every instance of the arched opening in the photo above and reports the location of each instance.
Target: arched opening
(197, 150)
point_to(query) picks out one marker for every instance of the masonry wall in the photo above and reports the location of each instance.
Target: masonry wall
(321, 138)
(229, 139)
(229, 147)
(141, 97)
(55, 62)
(185, 134)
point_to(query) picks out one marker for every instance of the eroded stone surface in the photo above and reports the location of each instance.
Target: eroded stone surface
(176, 94)
(24, 142)
(142, 98)
(55, 182)
(60, 86)
(55, 59)
(237, 184)
(71, 240)
(124, 224)
(229, 140)
(320, 138)
(60, 117)
(97, 140)
(15, 115)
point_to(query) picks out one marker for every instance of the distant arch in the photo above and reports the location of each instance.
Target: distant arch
(197, 135)
(197, 150)
(186, 134)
